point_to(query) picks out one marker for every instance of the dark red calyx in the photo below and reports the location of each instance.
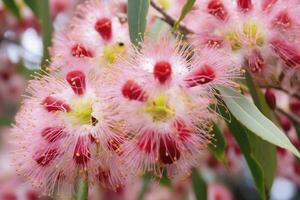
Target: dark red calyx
(45, 157)
(256, 62)
(52, 105)
(287, 52)
(162, 71)
(201, 76)
(104, 27)
(294, 105)
(283, 20)
(80, 52)
(168, 151)
(244, 5)
(76, 79)
(52, 134)
(217, 9)
(81, 152)
(146, 142)
(270, 98)
(132, 91)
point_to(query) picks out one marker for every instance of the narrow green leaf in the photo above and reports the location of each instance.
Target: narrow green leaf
(249, 115)
(199, 185)
(217, 147)
(146, 182)
(12, 7)
(32, 5)
(240, 134)
(5, 121)
(137, 19)
(81, 189)
(264, 152)
(185, 10)
(46, 25)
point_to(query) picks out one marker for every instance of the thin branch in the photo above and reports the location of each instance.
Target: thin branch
(296, 95)
(169, 19)
(295, 119)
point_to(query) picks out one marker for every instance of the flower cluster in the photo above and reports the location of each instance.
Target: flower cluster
(265, 34)
(108, 111)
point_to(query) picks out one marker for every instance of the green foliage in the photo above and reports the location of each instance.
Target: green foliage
(12, 7)
(199, 185)
(81, 189)
(146, 181)
(41, 9)
(264, 152)
(249, 115)
(137, 19)
(32, 4)
(217, 147)
(185, 10)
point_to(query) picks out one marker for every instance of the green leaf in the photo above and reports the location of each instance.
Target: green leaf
(249, 115)
(32, 5)
(46, 25)
(146, 182)
(217, 147)
(185, 10)
(137, 19)
(264, 152)
(81, 189)
(12, 7)
(199, 185)
(5, 121)
(240, 134)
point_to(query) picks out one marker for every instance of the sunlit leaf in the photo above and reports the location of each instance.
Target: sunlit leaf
(249, 115)
(263, 151)
(137, 19)
(241, 135)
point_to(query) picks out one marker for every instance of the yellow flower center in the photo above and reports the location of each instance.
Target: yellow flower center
(111, 52)
(81, 112)
(158, 108)
(250, 36)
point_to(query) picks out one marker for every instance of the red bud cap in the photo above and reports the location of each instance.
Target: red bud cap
(104, 27)
(76, 79)
(132, 91)
(270, 98)
(285, 123)
(52, 105)
(217, 9)
(162, 71)
(295, 106)
(80, 52)
(244, 5)
(202, 76)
